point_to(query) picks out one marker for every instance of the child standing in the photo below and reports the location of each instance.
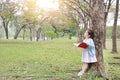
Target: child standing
(88, 54)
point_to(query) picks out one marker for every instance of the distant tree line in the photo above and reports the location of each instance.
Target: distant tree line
(26, 19)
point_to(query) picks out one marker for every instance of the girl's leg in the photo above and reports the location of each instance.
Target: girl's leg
(84, 68)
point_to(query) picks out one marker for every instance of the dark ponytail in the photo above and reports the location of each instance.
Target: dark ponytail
(91, 33)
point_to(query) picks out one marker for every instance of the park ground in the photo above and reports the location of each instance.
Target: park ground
(56, 59)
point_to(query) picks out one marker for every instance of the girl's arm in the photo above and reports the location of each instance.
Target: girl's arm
(91, 43)
(76, 44)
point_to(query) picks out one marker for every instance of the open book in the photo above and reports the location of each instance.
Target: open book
(81, 45)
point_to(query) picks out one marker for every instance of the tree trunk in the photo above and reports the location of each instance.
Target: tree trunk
(30, 34)
(24, 34)
(107, 7)
(18, 31)
(104, 36)
(114, 44)
(56, 31)
(38, 33)
(6, 32)
(5, 25)
(97, 20)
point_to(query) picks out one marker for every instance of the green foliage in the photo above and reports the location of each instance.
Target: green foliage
(82, 31)
(73, 31)
(48, 31)
(8, 10)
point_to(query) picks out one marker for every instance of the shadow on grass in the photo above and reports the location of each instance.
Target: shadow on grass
(49, 77)
(116, 57)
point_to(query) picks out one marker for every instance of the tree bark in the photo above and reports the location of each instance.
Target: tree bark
(55, 30)
(6, 32)
(24, 34)
(18, 31)
(30, 33)
(107, 7)
(97, 20)
(38, 33)
(5, 25)
(114, 43)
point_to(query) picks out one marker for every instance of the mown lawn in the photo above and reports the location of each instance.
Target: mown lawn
(57, 59)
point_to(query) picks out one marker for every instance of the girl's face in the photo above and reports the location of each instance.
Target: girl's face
(86, 35)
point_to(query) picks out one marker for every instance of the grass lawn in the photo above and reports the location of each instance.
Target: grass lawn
(57, 59)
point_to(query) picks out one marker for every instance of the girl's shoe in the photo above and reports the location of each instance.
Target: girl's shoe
(80, 73)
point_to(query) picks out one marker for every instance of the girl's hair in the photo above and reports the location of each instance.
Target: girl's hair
(91, 33)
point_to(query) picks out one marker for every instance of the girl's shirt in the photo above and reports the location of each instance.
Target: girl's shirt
(91, 46)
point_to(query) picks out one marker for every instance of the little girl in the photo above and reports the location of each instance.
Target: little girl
(88, 54)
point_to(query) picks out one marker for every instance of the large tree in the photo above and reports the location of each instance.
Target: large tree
(97, 20)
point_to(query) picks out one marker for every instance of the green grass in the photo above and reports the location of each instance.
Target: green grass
(57, 59)
(112, 69)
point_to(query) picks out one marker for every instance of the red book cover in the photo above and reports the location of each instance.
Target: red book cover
(83, 45)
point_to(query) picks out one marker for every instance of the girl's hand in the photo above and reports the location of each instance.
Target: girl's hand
(76, 44)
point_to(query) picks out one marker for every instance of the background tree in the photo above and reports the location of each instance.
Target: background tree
(30, 14)
(7, 12)
(19, 23)
(108, 4)
(60, 23)
(75, 12)
(40, 23)
(114, 32)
